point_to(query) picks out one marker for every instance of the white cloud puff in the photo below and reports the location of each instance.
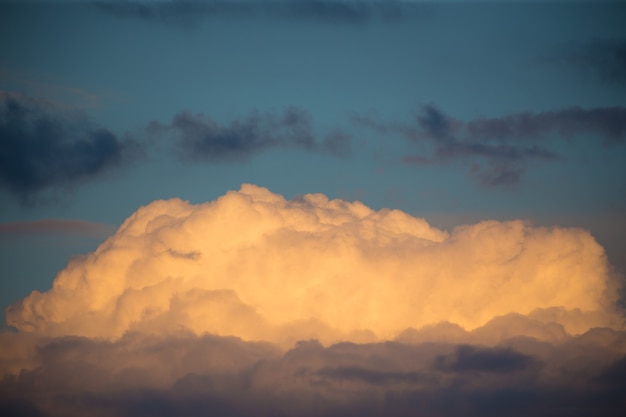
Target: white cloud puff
(254, 265)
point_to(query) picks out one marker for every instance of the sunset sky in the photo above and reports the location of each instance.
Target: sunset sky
(324, 207)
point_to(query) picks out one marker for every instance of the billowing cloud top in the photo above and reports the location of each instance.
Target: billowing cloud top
(255, 265)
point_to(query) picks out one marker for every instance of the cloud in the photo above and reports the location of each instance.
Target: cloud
(434, 123)
(604, 58)
(199, 375)
(187, 12)
(474, 359)
(256, 305)
(56, 226)
(500, 149)
(254, 265)
(200, 138)
(606, 122)
(43, 149)
(369, 376)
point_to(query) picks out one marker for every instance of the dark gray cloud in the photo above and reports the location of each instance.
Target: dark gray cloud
(604, 58)
(434, 123)
(200, 138)
(369, 376)
(181, 374)
(609, 123)
(501, 149)
(43, 149)
(474, 359)
(187, 12)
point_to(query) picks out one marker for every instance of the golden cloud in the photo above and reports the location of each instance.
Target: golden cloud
(254, 265)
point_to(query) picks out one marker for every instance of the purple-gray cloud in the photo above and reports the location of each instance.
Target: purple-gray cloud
(468, 358)
(142, 375)
(608, 123)
(501, 148)
(198, 137)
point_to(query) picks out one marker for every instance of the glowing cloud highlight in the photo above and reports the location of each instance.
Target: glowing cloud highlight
(254, 265)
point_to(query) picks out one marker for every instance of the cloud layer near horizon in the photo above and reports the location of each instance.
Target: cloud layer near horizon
(141, 375)
(254, 265)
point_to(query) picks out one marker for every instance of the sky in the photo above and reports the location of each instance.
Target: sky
(312, 207)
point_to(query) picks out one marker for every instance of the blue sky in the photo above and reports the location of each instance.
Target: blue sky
(361, 72)
(454, 111)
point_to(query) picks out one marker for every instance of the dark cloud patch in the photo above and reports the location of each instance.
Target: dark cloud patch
(474, 359)
(500, 149)
(604, 58)
(434, 123)
(42, 149)
(18, 407)
(606, 122)
(200, 138)
(159, 403)
(370, 376)
(187, 12)
(615, 373)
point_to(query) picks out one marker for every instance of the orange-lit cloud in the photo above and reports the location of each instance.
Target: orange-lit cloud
(256, 266)
(253, 305)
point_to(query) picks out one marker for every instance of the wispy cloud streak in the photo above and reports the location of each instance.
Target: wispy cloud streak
(198, 137)
(501, 148)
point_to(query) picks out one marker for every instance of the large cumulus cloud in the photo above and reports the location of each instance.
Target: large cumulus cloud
(254, 305)
(254, 265)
